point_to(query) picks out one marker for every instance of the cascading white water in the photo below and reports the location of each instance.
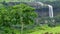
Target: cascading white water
(50, 11)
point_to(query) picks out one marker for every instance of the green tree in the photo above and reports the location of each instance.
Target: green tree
(25, 14)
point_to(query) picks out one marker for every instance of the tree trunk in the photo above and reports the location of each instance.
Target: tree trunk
(22, 25)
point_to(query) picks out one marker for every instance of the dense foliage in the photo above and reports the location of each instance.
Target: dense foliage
(15, 15)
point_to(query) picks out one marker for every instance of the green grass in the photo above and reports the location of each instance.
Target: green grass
(50, 30)
(43, 30)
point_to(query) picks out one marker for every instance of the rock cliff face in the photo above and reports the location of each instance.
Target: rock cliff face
(43, 11)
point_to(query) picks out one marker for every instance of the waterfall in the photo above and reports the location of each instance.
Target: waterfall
(50, 11)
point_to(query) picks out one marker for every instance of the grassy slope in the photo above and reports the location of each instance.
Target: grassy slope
(52, 30)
